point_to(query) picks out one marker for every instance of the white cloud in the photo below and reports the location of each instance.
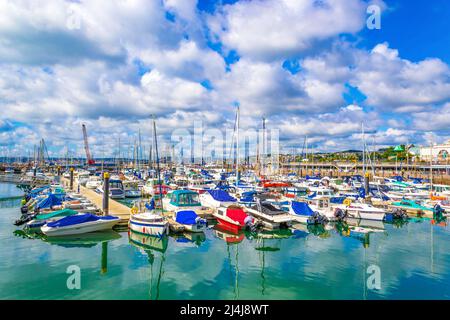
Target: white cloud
(279, 28)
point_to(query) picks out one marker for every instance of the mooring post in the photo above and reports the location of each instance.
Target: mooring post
(71, 179)
(366, 183)
(106, 193)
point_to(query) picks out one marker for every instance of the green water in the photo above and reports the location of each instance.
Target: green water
(413, 260)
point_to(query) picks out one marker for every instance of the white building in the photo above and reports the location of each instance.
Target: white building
(438, 152)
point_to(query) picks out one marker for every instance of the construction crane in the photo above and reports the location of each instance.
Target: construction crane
(89, 159)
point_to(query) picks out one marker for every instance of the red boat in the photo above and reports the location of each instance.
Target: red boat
(233, 218)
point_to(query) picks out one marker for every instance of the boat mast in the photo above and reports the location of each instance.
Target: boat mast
(263, 146)
(157, 162)
(364, 149)
(431, 167)
(237, 147)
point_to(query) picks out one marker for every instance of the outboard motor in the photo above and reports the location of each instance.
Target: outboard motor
(316, 218)
(24, 210)
(24, 219)
(199, 220)
(399, 214)
(340, 214)
(438, 212)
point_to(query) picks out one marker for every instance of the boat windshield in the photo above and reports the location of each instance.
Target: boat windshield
(188, 199)
(116, 185)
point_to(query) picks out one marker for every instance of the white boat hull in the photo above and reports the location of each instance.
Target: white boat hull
(150, 228)
(81, 228)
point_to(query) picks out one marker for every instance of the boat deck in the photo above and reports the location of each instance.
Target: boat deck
(115, 208)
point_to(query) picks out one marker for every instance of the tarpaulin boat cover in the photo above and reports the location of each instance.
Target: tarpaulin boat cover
(237, 214)
(78, 219)
(302, 208)
(39, 190)
(337, 200)
(48, 202)
(312, 196)
(248, 196)
(221, 195)
(186, 217)
(60, 213)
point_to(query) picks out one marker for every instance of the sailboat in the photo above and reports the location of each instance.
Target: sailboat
(149, 222)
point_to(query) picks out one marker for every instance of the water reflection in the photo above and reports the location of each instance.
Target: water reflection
(154, 247)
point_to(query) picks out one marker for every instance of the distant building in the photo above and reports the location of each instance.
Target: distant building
(437, 152)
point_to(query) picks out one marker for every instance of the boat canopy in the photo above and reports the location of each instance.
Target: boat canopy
(48, 202)
(59, 213)
(184, 198)
(302, 208)
(186, 217)
(221, 195)
(78, 219)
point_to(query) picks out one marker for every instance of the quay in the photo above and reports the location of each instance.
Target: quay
(115, 208)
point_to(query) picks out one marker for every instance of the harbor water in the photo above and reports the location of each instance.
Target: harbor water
(409, 261)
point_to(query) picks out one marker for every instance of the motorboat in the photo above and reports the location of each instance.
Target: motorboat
(234, 218)
(411, 206)
(79, 224)
(40, 220)
(149, 223)
(270, 216)
(302, 212)
(359, 210)
(181, 200)
(216, 198)
(190, 221)
(116, 190)
(131, 189)
(83, 178)
(94, 182)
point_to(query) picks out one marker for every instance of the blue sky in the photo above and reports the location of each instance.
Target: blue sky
(312, 68)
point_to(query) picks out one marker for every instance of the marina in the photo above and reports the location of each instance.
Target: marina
(314, 264)
(224, 154)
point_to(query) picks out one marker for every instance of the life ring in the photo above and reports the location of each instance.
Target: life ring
(134, 210)
(347, 202)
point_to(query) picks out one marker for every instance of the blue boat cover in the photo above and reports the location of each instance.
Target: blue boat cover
(248, 196)
(38, 190)
(48, 202)
(302, 208)
(186, 217)
(221, 195)
(337, 200)
(78, 219)
(151, 206)
(312, 196)
(362, 192)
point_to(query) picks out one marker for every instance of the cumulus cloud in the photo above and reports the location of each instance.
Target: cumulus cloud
(272, 29)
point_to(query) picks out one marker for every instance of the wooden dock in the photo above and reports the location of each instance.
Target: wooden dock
(115, 208)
